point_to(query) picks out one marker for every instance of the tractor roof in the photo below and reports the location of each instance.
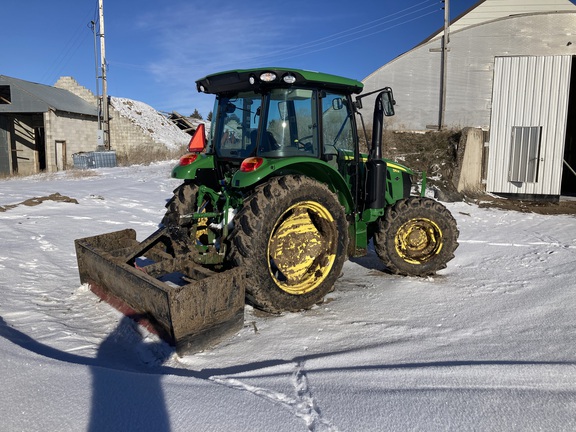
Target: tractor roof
(265, 78)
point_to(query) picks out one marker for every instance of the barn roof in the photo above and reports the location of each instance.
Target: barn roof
(19, 96)
(489, 10)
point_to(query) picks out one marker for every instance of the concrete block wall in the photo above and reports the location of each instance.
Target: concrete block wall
(125, 136)
(70, 84)
(79, 133)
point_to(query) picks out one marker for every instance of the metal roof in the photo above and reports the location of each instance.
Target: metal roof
(29, 97)
(488, 10)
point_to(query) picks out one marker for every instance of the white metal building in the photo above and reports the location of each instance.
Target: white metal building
(509, 69)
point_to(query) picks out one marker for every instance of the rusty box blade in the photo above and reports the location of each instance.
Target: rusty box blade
(193, 314)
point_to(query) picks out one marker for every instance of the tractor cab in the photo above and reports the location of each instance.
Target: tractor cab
(280, 113)
(283, 122)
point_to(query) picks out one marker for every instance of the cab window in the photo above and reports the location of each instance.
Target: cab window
(237, 125)
(336, 122)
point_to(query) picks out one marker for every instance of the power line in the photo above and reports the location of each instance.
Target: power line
(366, 26)
(353, 31)
(360, 37)
(70, 48)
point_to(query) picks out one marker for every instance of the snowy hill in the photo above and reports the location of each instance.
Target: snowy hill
(151, 122)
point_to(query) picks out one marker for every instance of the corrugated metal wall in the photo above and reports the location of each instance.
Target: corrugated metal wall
(528, 124)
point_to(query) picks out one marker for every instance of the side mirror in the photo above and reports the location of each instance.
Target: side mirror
(388, 102)
(198, 140)
(337, 104)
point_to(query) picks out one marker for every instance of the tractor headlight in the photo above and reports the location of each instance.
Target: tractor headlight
(268, 77)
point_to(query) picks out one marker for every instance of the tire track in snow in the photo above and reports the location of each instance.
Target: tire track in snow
(548, 240)
(302, 404)
(530, 244)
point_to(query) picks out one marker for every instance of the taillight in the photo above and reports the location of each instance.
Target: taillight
(187, 159)
(251, 164)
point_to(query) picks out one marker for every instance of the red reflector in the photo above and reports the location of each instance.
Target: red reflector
(251, 164)
(198, 140)
(187, 159)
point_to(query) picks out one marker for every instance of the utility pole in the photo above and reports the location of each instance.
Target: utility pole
(444, 66)
(93, 27)
(105, 112)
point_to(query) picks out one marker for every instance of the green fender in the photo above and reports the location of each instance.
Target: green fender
(310, 167)
(185, 172)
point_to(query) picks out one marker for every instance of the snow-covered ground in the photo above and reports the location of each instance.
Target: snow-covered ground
(486, 345)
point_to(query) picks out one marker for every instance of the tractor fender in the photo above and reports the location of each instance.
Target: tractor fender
(307, 166)
(188, 171)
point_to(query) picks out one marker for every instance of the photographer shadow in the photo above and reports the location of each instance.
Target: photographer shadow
(127, 391)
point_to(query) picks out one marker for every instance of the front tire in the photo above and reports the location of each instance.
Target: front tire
(416, 237)
(291, 237)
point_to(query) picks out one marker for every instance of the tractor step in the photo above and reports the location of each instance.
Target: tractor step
(189, 306)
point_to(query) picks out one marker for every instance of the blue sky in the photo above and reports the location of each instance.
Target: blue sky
(156, 50)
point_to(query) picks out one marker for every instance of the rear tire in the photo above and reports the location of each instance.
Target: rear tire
(182, 203)
(291, 238)
(185, 231)
(416, 237)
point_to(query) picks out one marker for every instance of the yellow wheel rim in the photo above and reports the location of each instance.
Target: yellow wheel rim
(418, 240)
(302, 247)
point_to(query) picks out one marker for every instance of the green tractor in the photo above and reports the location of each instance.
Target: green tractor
(278, 191)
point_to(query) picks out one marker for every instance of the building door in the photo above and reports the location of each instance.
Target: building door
(569, 173)
(60, 155)
(528, 124)
(40, 142)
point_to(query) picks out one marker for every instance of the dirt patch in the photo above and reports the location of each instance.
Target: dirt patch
(436, 153)
(30, 202)
(540, 207)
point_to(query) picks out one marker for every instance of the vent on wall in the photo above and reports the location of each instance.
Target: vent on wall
(524, 154)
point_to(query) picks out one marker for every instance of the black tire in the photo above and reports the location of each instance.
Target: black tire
(416, 237)
(184, 232)
(291, 237)
(182, 203)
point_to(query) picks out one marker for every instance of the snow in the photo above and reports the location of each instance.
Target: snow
(151, 122)
(485, 345)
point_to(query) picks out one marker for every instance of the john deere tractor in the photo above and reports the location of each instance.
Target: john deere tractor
(278, 193)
